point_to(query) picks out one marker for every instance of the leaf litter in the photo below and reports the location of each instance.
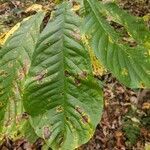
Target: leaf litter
(125, 109)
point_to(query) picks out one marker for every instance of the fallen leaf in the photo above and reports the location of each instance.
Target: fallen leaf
(34, 7)
(147, 146)
(146, 105)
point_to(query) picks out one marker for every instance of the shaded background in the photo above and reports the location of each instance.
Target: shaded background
(125, 124)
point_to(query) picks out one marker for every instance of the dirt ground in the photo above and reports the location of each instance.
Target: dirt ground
(125, 124)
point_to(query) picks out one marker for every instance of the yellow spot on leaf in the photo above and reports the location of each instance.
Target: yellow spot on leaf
(129, 34)
(142, 85)
(110, 39)
(146, 17)
(2, 37)
(148, 72)
(1, 104)
(147, 54)
(98, 68)
(76, 7)
(5, 36)
(59, 109)
(91, 131)
(124, 72)
(147, 45)
(85, 39)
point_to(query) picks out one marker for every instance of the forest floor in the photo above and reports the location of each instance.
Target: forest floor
(125, 124)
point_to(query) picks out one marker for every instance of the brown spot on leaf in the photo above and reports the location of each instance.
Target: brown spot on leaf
(142, 85)
(8, 122)
(79, 110)
(59, 108)
(47, 133)
(85, 119)
(24, 70)
(38, 144)
(61, 139)
(3, 73)
(40, 76)
(67, 73)
(25, 115)
(83, 75)
(76, 35)
(77, 81)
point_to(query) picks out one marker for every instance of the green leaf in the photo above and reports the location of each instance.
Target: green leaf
(134, 25)
(61, 95)
(131, 65)
(29, 133)
(15, 59)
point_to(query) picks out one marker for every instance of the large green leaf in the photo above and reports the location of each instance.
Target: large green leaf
(15, 58)
(130, 65)
(61, 96)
